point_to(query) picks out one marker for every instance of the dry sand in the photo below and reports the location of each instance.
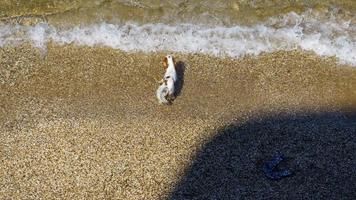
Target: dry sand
(84, 123)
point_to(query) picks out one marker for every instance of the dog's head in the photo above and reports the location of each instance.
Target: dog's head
(168, 59)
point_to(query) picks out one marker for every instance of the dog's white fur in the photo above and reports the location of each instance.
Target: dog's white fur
(165, 92)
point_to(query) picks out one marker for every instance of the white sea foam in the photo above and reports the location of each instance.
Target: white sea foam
(324, 37)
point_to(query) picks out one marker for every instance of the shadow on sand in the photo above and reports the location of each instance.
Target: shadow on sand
(320, 150)
(180, 68)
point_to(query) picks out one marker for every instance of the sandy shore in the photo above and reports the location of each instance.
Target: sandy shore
(83, 123)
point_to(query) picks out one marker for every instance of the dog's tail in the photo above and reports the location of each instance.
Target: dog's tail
(162, 94)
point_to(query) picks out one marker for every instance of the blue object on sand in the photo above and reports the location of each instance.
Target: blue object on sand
(271, 173)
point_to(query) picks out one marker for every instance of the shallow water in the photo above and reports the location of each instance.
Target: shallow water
(224, 29)
(170, 11)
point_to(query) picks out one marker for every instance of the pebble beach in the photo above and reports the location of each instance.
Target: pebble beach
(83, 123)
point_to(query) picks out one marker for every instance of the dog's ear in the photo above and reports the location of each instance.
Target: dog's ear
(165, 63)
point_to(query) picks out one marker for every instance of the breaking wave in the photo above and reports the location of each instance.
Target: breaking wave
(327, 37)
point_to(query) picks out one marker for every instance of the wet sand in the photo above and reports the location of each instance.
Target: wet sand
(84, 123)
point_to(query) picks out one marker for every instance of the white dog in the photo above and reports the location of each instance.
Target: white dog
(165, 92)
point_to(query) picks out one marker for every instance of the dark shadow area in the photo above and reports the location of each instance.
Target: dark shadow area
(320, 150)
(180, 68)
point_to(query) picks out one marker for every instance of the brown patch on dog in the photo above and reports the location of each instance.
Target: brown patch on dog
(165, 63)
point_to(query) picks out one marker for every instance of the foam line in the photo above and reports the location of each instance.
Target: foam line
(293, 31)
